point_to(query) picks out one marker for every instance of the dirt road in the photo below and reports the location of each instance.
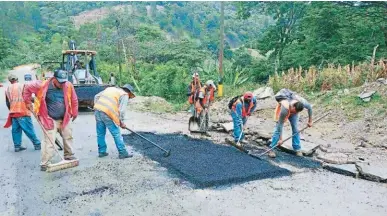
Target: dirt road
(138, 186)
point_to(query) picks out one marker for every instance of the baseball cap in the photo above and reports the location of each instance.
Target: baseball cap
(12, 77)
(61, 76)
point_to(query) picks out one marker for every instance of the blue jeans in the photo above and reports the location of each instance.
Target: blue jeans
(237, 126)
(23, 124)
(293, 119)
(103, 122)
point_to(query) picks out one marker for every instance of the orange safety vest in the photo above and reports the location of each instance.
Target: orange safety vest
(244, 111)
(277, 113)
(39, 97)
(15, 96)
(108, 103)
(207, 97)
(194, 88)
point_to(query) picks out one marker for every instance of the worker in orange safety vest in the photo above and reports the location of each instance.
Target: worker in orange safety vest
(19, 116)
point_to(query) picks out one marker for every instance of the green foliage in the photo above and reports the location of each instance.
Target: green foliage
(166, 41)
(169, 81)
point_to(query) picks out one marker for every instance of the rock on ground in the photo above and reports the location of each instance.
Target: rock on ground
(373, 171)
(263, 92)
(343, 169)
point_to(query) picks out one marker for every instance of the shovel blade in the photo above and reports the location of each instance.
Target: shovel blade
(193, 125)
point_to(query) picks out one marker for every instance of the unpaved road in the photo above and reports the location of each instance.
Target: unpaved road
(138, 186)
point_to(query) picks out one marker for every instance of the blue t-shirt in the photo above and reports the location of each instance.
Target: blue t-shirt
(55, 102)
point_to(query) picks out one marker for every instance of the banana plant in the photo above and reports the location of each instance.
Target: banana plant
(240, 77)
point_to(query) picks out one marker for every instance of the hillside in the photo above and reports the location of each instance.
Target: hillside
(159, 44)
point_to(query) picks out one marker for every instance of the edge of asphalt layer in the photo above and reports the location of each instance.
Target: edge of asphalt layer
(287, 158)
(203, 163)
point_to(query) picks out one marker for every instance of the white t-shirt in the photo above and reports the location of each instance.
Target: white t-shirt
(112, 80)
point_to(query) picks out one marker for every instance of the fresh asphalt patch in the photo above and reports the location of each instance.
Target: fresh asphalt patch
(203, 163)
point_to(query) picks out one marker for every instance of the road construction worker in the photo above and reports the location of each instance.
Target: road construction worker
(241, 107)
(112, 79)
(193, 89)
(110, 107)
(19, 116)
(206, 95)
(56, 103)
(288, 107)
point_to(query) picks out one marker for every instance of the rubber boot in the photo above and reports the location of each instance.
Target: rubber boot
(21, 148)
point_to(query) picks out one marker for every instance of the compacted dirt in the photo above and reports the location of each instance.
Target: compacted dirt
(141, 186)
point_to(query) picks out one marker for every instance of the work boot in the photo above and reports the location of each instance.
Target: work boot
(70, 157)
(124, 155)
(43, 168)
(103, 154)
(299, 153)
(37, 147)
(272, 154)
(229, 141)
(21, 148)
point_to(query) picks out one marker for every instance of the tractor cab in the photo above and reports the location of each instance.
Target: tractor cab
(81, 66)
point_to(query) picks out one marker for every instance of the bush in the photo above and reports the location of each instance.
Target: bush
(329, 78)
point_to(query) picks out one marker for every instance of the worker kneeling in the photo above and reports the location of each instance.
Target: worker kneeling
(110, 107)
(241, 107)
(288, 107)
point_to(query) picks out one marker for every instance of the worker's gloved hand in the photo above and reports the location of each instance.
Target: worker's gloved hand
(74, 117)
(280, 142)
(122, 125)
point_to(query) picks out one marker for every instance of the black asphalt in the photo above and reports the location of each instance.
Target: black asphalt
(202, 162)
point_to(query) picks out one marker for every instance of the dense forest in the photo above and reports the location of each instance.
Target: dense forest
(161, 43)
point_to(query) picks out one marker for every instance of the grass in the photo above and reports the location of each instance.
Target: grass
(352, 106)
(3, 74)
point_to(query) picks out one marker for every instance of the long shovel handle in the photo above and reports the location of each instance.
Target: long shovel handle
(48, 136)
(167, 152)
(317, 120)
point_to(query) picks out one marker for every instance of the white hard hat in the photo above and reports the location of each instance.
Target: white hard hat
(211, 83)
(196, 74)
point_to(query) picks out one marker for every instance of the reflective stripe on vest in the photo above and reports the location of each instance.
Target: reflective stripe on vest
(108, 102)
(15, 97)
(39, 97)
(244, 111)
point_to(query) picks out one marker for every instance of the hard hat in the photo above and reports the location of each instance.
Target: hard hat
(248, 95)
(211, 83)
(61, 76)
(128, 87)
(12, 77)
(196, 74)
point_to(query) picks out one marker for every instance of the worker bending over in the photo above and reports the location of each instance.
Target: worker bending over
(19, 116)
(288, 107)
(110, 107)
(241, 107)
(56, 103)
